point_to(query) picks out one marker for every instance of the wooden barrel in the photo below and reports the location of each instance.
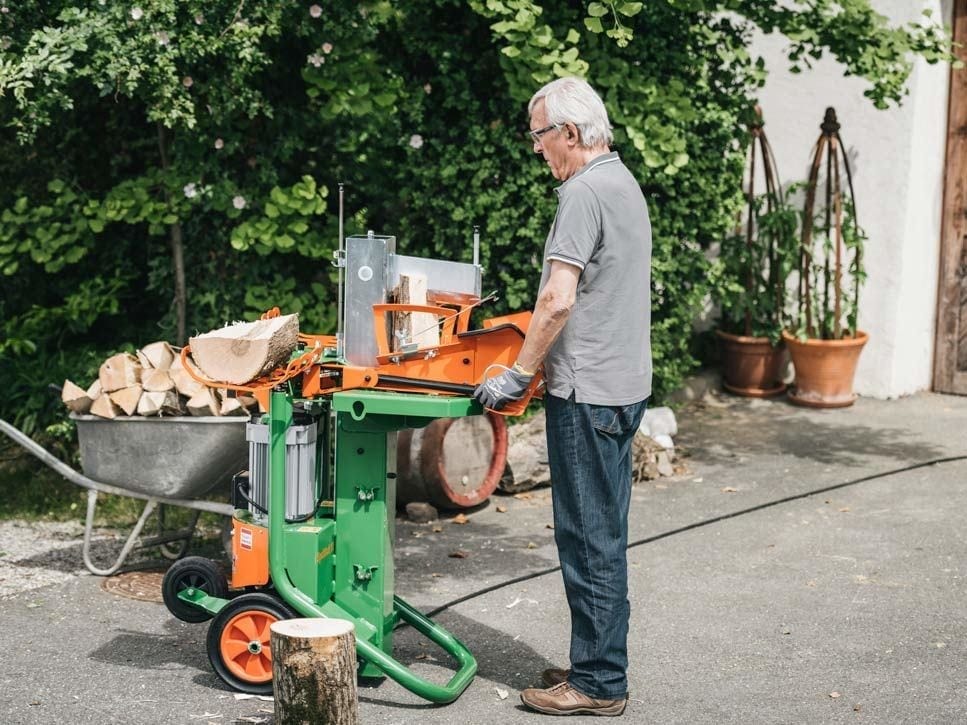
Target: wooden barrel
(453, 463)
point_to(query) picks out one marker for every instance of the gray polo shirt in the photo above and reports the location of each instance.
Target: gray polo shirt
(603, 354)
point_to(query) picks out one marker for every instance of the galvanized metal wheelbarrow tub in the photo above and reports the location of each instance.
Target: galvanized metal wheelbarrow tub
(161, 461)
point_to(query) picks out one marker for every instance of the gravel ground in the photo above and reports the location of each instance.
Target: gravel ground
(36, 554)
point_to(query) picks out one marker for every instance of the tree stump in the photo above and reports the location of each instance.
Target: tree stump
(314, 672)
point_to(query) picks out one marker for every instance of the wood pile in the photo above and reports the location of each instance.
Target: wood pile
(152, 382)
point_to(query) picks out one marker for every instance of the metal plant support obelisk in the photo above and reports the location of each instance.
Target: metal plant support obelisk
(825, 352)
(829, 148)
(752, 361)
(773, 198)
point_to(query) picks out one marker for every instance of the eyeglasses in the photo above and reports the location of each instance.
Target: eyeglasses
(535, 136)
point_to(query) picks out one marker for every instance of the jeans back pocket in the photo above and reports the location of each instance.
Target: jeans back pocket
(606, 418)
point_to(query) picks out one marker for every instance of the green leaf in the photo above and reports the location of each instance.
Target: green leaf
(597, 10)
(510, 51)
(594, 25)
(271, 210)
(573, 36)
(630, 9)
(96, 224)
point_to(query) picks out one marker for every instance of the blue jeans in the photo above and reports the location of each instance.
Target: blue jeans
(589, 452)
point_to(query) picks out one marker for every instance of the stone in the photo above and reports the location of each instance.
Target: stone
(421, 513)
(664, 465)
(659, 421)
(527, 465)
(665, 441)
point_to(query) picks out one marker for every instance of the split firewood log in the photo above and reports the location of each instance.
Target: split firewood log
(105, 407)
(127, 398)
(159, 355)
(119, 372)
(94, 391)
(414, 327)
(232, 406)
(75, 398)
(244, 351)
(248, 401)
(156, 381)
(204, 403)
(164, 402)
(184, 383)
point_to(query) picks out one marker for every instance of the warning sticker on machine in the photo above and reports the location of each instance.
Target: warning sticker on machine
(310, 529)
(245, 538)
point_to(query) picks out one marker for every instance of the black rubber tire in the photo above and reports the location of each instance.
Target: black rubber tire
(257, 603)
(192, 572)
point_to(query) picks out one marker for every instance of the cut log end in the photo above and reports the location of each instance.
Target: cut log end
(75, 398)
(314, 671)
(119, 372)
(244, 351)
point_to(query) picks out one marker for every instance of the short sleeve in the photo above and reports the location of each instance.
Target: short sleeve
(577, 226)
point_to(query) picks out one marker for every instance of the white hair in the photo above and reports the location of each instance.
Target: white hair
(573, 100)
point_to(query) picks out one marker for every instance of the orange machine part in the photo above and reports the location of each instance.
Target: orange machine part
(521, 320)
(250, 555)
(243, 659)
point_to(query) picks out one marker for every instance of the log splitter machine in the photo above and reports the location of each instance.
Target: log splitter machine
(314, 515)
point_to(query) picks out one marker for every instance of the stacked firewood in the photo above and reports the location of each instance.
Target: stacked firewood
(154, 382)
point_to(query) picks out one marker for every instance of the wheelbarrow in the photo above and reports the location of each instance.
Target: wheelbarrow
(162, 461)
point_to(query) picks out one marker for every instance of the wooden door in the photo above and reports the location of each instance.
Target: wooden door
(950, 350)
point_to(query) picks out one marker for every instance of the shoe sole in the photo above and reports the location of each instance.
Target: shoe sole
(610, 711)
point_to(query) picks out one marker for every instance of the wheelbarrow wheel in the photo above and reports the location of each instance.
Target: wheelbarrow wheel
(195, 572)
(239, 647)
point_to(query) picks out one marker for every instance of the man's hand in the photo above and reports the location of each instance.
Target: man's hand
(505, 388)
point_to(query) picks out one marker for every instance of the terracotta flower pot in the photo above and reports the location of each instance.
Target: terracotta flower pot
(824, 370)
(751, 366)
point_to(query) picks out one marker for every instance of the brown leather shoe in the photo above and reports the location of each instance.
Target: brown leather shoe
(554, 676)
(563, 699)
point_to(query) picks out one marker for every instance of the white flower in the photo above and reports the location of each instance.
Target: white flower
(137, 13)
(191, 191)
(187, 82)
(239, 202)
(162, 37)
(315, 59)
(315, 11)
(199, 19)
(219, 144)
(416, 140)
(327, 48)
(427, 88)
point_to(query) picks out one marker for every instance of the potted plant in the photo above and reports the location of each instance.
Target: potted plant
(825, 343)
(750, 280)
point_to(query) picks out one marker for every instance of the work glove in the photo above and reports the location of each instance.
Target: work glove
(498, 391)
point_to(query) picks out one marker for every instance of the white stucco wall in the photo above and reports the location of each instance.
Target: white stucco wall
(897, 158)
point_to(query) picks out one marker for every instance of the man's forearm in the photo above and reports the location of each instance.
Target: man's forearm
(550, 316)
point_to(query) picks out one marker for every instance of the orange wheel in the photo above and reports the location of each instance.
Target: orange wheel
(239, 643)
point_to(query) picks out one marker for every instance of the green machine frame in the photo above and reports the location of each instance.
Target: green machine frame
(339, 562)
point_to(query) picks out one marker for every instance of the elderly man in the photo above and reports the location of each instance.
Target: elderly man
(591, 332)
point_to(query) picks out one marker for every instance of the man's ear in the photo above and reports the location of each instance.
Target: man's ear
(571, 132)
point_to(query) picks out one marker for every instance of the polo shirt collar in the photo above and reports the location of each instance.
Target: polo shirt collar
(596, 161)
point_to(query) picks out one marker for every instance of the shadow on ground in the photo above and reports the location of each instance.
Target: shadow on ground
(832, 437)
